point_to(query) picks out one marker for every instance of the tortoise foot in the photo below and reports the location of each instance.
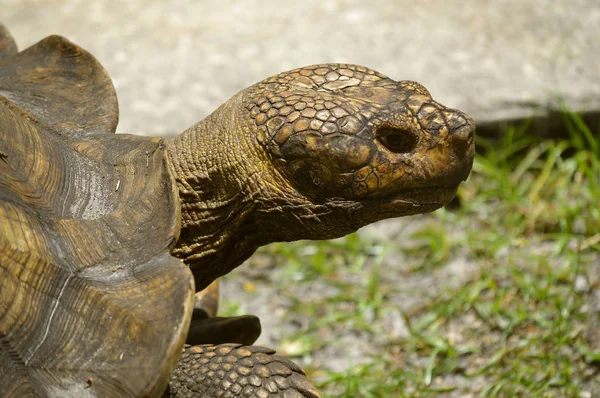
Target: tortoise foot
(243, 329)
(206, 328)
(232, 370)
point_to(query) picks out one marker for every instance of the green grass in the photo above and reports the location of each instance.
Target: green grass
(523, 322)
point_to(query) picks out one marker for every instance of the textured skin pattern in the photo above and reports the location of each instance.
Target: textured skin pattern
(231, 370)
(326, 121)
(94, 304)
(278, 109)
(316, 153)
(313, 153)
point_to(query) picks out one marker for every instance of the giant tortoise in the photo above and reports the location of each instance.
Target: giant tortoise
(105, 238)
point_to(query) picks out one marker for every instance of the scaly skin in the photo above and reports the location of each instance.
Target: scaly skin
(314, 153)
(231, 370)
(311, 153)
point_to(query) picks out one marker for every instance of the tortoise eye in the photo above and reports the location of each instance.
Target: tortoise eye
(397, 140)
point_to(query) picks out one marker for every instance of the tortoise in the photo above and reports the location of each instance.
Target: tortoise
(106, 238)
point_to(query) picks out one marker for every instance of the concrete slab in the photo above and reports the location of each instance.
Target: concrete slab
(173, 62)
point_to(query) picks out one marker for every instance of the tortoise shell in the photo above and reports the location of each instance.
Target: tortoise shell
(91, 301)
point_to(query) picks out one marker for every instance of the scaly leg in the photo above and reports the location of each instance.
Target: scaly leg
(232, 370)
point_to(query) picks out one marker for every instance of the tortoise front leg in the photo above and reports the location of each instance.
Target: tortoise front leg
(232, 370)
(243, 329)
(206, 328)
(206, 303)
(210, 368)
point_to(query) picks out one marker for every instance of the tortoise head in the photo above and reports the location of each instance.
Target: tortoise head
(345, 135)
(316, 153)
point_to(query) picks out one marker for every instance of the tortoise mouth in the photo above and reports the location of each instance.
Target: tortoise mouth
(416, 200)
(356, 213)
(439, 195)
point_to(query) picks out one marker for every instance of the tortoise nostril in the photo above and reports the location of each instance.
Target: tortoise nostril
(464, 132)
(462, 138)
(397, 140)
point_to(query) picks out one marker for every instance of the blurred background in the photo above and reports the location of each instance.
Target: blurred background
(174, 62)
(496, 296)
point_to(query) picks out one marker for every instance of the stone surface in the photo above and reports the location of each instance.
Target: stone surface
(174, 62)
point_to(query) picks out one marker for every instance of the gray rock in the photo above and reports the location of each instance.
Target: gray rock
(174, 62)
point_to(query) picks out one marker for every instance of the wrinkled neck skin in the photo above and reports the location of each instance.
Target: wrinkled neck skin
(312, 153)
(234, 199)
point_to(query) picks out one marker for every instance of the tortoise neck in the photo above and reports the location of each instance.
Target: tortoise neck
(235, 199)
(213, 169)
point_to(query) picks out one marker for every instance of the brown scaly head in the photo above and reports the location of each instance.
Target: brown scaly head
(313, 153)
